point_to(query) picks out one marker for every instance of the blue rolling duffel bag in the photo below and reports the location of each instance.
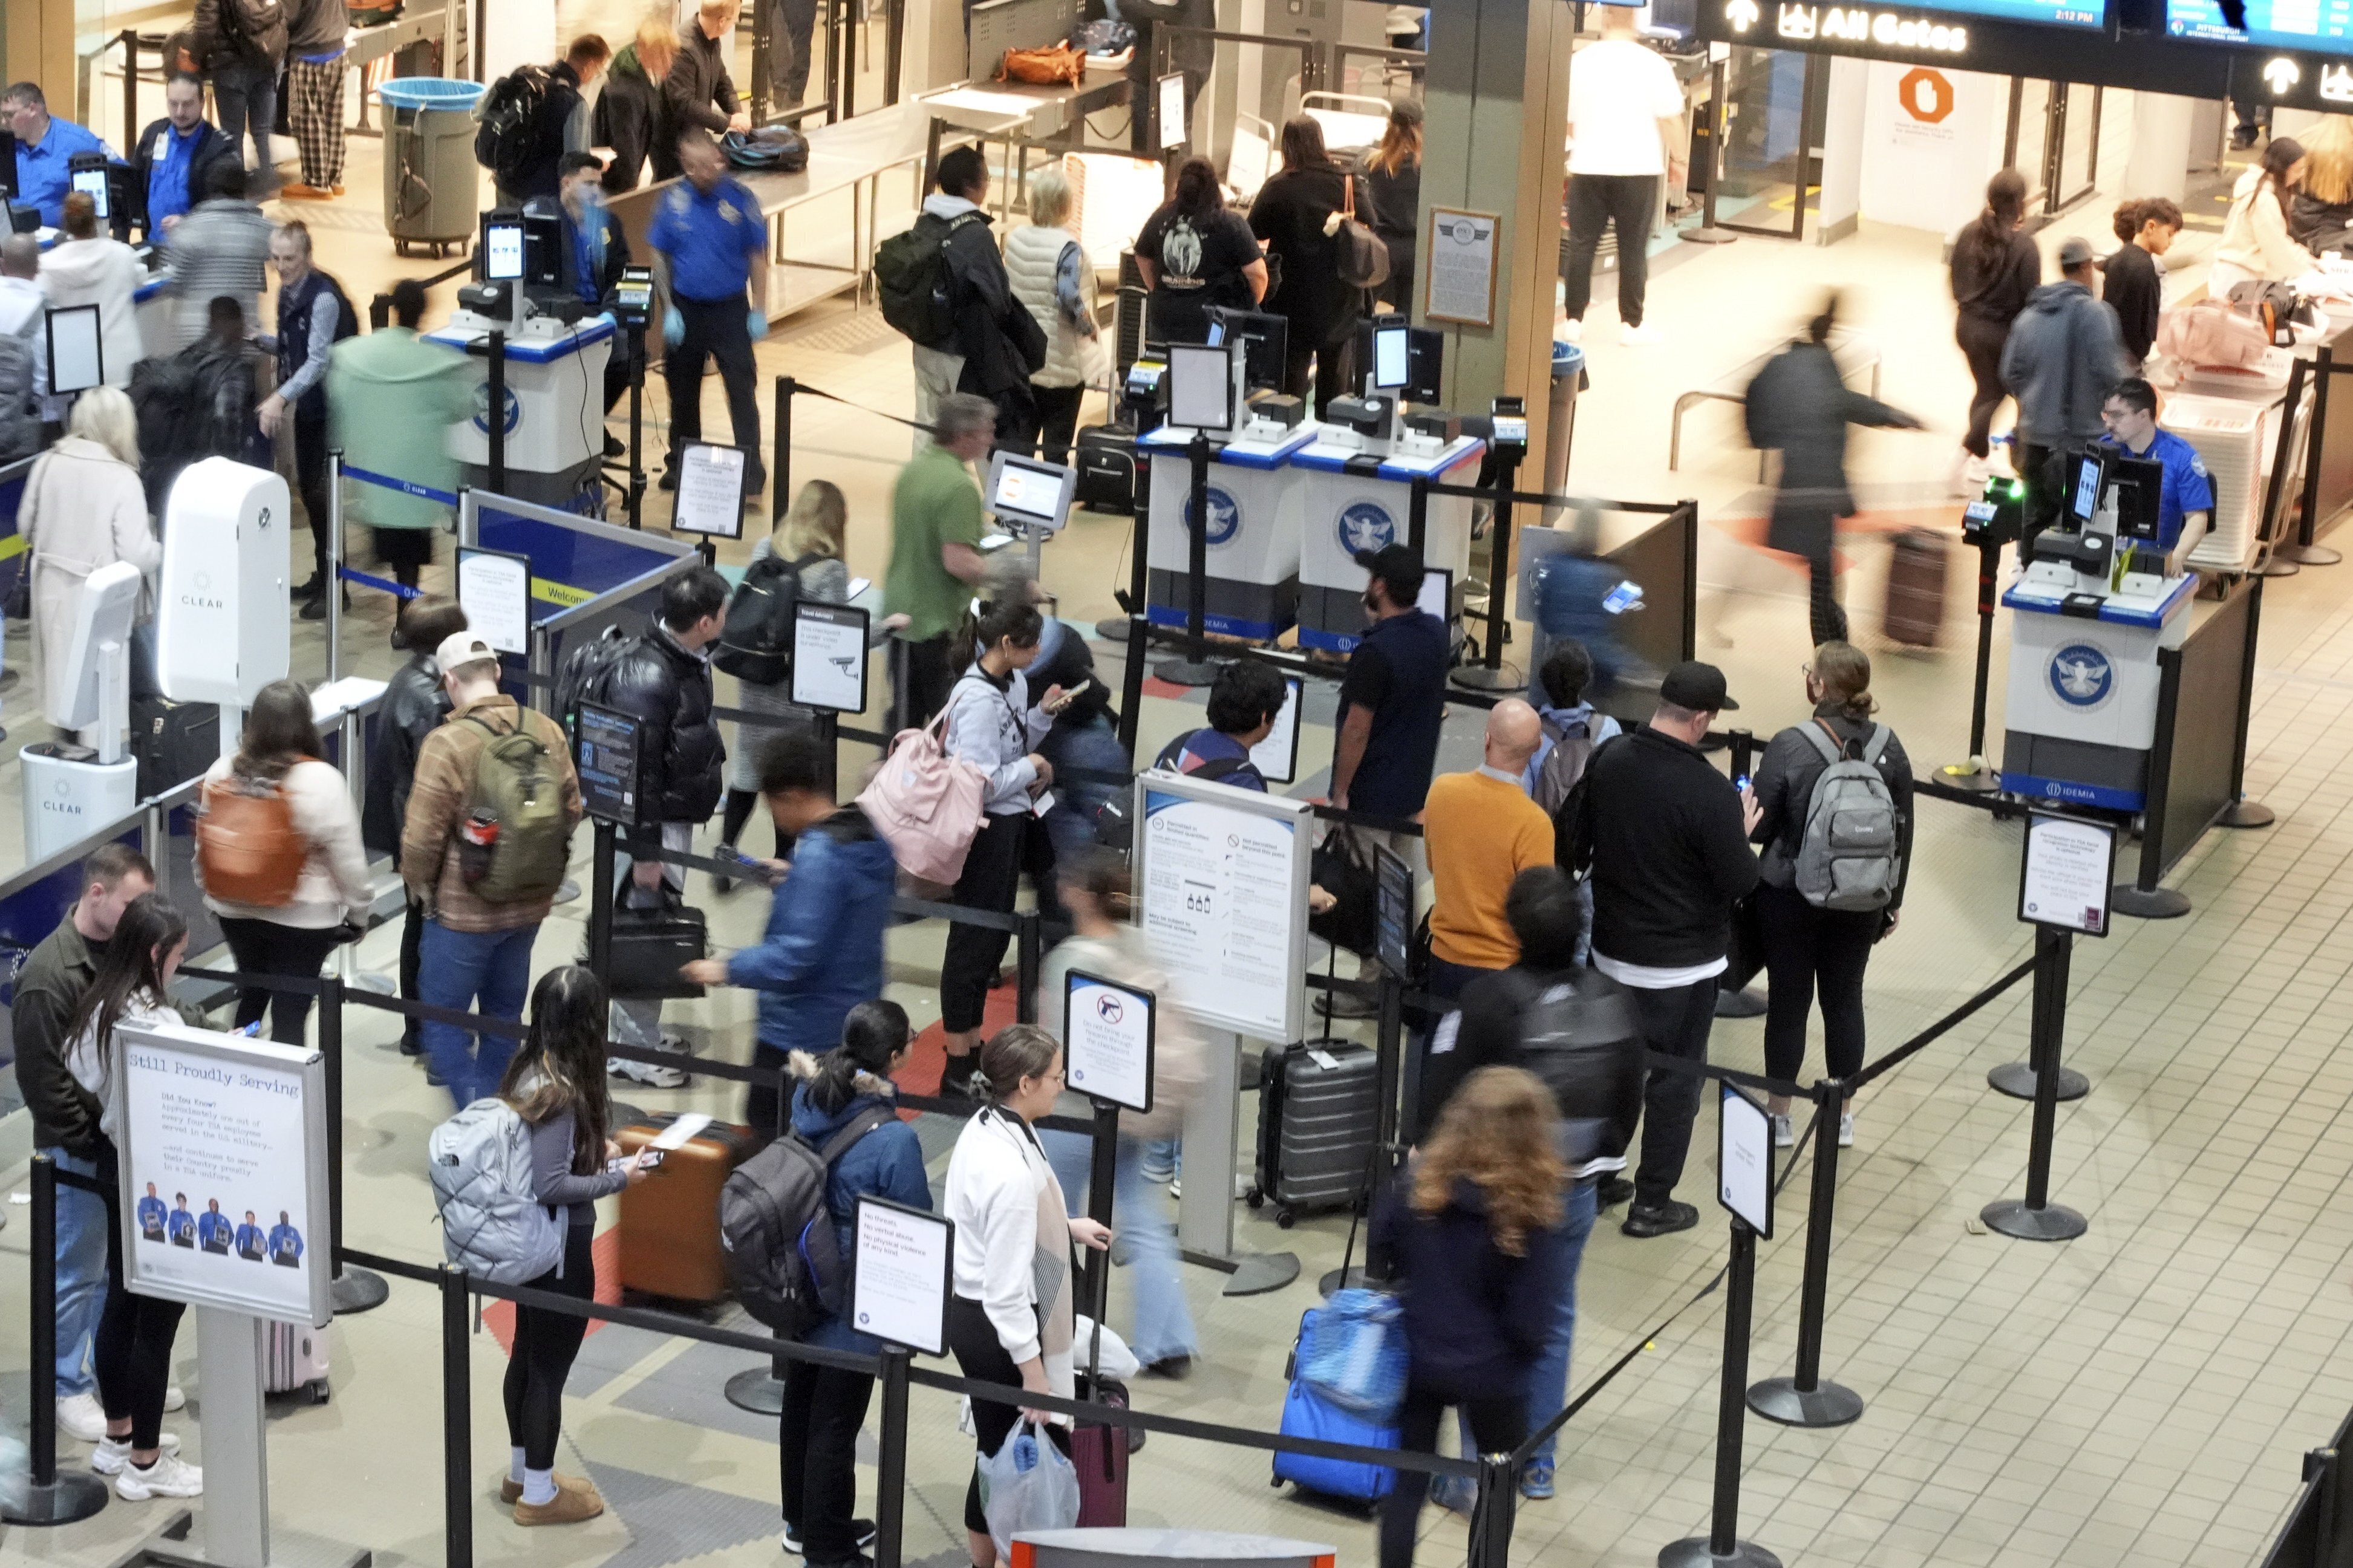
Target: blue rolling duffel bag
(1307, 1413)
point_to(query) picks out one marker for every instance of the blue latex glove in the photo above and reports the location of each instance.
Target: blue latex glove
(673, 328)
(756, 322)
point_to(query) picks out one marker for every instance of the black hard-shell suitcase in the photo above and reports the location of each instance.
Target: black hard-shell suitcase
(173, 741)
(1106, 465)
(1318, 1116)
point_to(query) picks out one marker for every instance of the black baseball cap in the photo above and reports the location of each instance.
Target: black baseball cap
(1398, 567)
(1696, 687)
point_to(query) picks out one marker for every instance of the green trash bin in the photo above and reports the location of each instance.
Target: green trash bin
(430, 179)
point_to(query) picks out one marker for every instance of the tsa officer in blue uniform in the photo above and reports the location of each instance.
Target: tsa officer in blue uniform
(44, 148)
(2186, 501)
(175, 153)
(151, 1215)
(710, 242)
(594, 250)
(213, 1231)
(250, 1242)
(182, 1224)
(285, 1243)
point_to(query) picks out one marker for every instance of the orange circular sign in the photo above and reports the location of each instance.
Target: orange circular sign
(1926, 95)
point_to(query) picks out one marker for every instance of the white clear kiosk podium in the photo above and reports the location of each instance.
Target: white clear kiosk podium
(70, 791)
(223, 626)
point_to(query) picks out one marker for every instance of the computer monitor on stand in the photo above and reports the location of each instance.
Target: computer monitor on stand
(1265, 339)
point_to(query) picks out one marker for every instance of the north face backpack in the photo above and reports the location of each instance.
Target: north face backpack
(508, 141)
(480, 1165)
(1581, 1038)
(584, 672)
(757, 642)
(911, 273)
(778, 1231)
(518, 785)
(1848, 859)
(1563, 764)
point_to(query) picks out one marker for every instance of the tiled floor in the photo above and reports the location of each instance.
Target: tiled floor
(2140, 1395)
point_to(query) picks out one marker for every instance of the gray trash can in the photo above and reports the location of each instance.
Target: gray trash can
(1560, 421)
(430, 179)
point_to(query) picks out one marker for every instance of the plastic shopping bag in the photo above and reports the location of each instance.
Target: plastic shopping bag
(1027, 1484)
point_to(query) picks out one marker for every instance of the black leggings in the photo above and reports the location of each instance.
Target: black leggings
(412, 942)
(1825, 619)
(265, 947)
(546, 1342)
(1332, 379)
(1809, 950)
(1981, 341)
(992, 877)
(816, 1449)
(132, 1350)
(981, 1356)
(1497, 1425)
(740, 803)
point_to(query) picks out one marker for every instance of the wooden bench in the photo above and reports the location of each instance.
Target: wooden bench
(1852, 352)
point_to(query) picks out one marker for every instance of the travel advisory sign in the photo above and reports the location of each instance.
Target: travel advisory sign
(223, 1142)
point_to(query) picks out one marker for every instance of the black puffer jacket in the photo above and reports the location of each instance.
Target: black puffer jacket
(680, 753)
(415, 704)
(633, 119)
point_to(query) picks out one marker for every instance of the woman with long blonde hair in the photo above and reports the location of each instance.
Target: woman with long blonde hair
(84, 507)
(1476, 1232)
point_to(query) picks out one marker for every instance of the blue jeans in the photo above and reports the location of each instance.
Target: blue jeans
(1164, 1323)
(454, 967)
(247, 94)
(1548, 1379)
(82, 1274)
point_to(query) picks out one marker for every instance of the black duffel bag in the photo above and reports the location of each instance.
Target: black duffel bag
(1343, 866)
(650, 945)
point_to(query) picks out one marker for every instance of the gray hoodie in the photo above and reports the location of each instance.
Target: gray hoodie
(2064, 353)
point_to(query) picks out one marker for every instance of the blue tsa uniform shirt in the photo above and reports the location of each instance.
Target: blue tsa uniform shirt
(42, 178)
(2187, 488)
(710, 240)
(250, 1242)
(184, 1228)
(167, 174)
(213, 1231)
(151, 1219)
(285, 1246)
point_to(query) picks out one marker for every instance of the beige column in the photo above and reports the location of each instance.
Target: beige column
(1496, 118)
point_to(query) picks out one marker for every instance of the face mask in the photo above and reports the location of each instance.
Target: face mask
(592, 198)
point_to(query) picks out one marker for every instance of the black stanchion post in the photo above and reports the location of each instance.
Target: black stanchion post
(494, 417)
(633, 340)
(1976, 772)
(2242, 812)
(2018, 1079)
(1028, 957)
(456, 1428)
(1490, 673)
(781, 468)
(1417, 513)
(1708, 232)
(891, 1464)
(1806, 1400)
(2143, 898)
(1100, 1176)
(354, 1290)
(2037, 1219)
(600, 898)
(1492, 1514)
(47, 1498)
(2303, 552)
(828, 734)
(1722, 1547)
(1195, 669)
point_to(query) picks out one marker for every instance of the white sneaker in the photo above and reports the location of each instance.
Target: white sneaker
(175, 1398)
(169, 1475)
(1783, 1134)
(113, 1456)
(82, 1417)
(653, 1075)
(1570, 330)
(1846, 1130)
(1636, 337)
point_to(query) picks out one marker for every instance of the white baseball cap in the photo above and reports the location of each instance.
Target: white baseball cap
(461, 648)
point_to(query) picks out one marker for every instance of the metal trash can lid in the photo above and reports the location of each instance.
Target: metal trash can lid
(430, 92)
(1567, 358)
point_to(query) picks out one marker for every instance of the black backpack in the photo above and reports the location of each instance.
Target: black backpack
(1210, 772)
(1581, 1037)
(508, 143)
(779, 1229)
(586, 672)
(910, 275)
(757, 642)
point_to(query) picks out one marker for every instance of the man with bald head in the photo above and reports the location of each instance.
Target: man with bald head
(24, 366)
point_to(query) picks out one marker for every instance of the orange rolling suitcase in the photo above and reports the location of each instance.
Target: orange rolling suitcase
(669, 1222)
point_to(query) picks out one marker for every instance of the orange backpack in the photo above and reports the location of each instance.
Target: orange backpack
(248, 850)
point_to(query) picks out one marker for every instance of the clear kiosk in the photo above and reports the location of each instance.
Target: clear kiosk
(223, 630)
(70, 791)
(2089, 614)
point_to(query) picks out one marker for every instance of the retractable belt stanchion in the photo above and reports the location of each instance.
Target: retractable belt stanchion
(890, 1463)
(633, 340)
(600, 897)
(47, 1498)
(2303, 550)
(1805, 1399)
(1708, 233)
(2037, 1219)
(780, 466)
(1491, 674)
(1195, 669)
(1722, 1547)
(1975, 773)
(2024, 1081)
(1100, 1176)
(494, 416)
(1388, 1042)
(456, 1428)
(760, 1390)
(354, 1290)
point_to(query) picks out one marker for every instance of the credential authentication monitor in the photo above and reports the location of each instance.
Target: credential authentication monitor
(503, 248)
(1392, 364)
(1037, 495)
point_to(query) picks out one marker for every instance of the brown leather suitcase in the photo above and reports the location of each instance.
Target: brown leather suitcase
(1916, 588)
(669, 1222)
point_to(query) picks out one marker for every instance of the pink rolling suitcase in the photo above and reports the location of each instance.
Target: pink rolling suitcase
(297, 1360)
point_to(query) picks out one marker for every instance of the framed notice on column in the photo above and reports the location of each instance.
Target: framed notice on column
(494, 590)
(2069, 867)
(1223, 876)
(902, 1266)
(1458, 264)
(222, 1146)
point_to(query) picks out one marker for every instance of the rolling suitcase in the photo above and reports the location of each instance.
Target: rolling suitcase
(1307, 1414)
(172, 741)
(1916, 588)
(1318, 1112)
(1105, 459)
(1099, 1454)
(670, 1242)
(297, 1360)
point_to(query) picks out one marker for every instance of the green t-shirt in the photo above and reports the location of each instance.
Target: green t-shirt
(935, 504)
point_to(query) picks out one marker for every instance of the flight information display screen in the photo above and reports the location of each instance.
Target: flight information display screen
(2059, 13)
(2325, 26)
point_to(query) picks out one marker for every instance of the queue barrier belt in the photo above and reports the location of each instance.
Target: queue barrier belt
(405, 487)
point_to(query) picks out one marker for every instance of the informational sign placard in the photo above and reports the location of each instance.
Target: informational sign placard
(829, 656)
(1459, 278)
(223, 1143)
(902, 1261)
(1276, 758)
(2070, 866)
(1393, 911)
(1107, 1039)
(77, 347)
(710, 492)
(1223, 873)
(494, 590)
(1744, 1147)
(604, 754)
(1171, 90)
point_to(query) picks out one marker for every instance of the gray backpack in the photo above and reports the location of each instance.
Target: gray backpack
(20, 418)
(1848, 858)
(492, 1227)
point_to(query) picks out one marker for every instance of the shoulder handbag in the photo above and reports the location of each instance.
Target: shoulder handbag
(18, 606)
(1043, 68)
(1361, 256)
(650, 945)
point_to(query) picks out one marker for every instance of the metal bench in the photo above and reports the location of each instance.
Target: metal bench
(1852, 352)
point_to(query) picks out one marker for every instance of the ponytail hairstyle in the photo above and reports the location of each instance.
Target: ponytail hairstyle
(1101, 873)
(278, 733)
(1818, 330)
(2128, 220)
(131, 965)
(1197, 194)
(1990, 236)
(1006, 618)
(871, 1037)
(2282, 154)
(1400, 145)
(1015, 1052)
(1844, 671)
